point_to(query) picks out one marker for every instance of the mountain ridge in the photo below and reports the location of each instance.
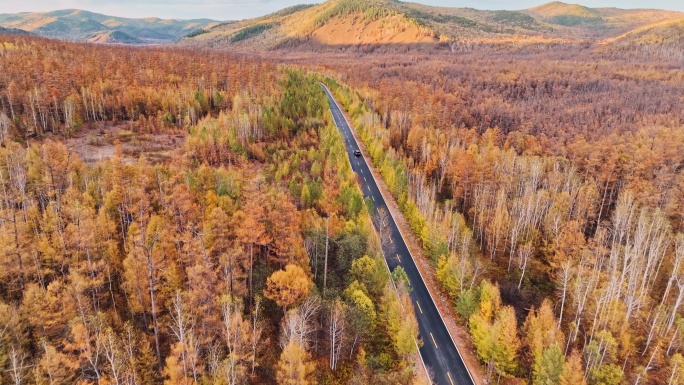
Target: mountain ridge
(13, 31)
(349, 23)
(83, 25)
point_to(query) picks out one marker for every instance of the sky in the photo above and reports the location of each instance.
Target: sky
(243, 9)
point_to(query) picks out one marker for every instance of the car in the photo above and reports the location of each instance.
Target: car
(357, 152)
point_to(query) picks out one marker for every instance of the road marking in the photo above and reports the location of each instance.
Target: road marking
(373, 198)
(450, 380)
(421, 310)
(433, 341)
(361, 170)
(400, 262)
(364, 179)
(391, 240)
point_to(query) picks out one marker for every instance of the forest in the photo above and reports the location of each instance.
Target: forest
(248, 258)
(546, 189)
(543, 180)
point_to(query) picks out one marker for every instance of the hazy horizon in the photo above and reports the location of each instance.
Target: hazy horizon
(244, 9)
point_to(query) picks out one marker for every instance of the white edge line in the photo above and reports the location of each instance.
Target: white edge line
(384, 259)
(407, 248)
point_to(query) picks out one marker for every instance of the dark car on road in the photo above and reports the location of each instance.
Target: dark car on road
(357, 152)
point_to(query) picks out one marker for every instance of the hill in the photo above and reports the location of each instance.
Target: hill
(113, 37)
(566, 14)
(664, 39)
(79, 25)
(613, 20)
(341, 22)
(344, 23)
(357, 23)
(665, 32)
(12, 31)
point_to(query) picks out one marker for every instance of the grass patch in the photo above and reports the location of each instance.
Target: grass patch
(125, 136)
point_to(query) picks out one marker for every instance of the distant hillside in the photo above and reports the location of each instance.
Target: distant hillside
(13, 31)
(566, 14)
(664, 39)
(79, 25)
(665, 32)
(357, 22)
(574, 15)
(342, 23)
(337, 22)
(113, 37)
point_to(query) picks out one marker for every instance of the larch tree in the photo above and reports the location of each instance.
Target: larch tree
(548, 369)
(287, 243)
(252, 233)
(573, 372)
(505, 349)
(149, 270)
(295, 366)
(494, 331)
(286, 287)
(55, 367)
(540, 331)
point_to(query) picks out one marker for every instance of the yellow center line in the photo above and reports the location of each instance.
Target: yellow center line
(450, 380)
(433, 341)
(421, 310)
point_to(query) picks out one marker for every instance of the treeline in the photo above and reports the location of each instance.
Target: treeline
(591, 224)
(159, 90)
(250, 258)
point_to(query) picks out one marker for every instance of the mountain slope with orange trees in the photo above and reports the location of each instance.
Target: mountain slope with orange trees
(337, 22)
(81, 25)
(349, 23)
(663, 39)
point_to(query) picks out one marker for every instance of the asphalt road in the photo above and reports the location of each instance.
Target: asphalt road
(439, 353)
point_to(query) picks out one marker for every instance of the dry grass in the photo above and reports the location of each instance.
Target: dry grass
(97, 143)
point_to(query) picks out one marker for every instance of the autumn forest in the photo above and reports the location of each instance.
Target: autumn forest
(132, 272)
(542, 183)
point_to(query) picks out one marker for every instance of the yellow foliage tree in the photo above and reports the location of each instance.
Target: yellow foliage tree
(294, 367)
(288, 286)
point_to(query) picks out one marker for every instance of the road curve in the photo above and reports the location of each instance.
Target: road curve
(439, 352)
